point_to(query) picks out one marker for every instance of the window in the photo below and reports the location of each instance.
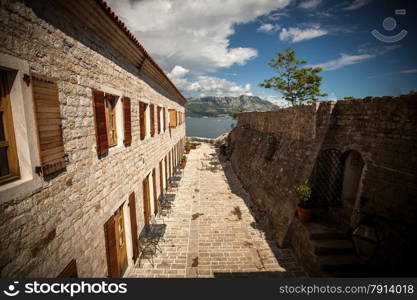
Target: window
(9, 166)
(142, 119)
(110, 109)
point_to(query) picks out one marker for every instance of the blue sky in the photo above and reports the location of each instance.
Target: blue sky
(223, 47)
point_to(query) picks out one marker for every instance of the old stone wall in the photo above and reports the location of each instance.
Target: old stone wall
(43, 229)
(274, 152)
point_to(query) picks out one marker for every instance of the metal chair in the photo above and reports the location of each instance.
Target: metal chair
(173, 183)
(164, 206)
(179, 170)
(147, 250)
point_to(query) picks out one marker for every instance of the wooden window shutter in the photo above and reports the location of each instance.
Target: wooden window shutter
(70, 270)
(158, 114)
(133, 225)
(165, 118)
(127, 121)
(152, 113)
(155, 192)
(48, 120)
(100, 121)
(172, 118)
(142, 119)
(111, 248)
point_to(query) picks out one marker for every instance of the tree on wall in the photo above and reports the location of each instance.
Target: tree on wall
(298, 85)
(235, 114)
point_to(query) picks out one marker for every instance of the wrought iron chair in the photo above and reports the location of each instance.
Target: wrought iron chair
(147, 250)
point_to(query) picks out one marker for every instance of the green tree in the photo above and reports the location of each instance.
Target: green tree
(298, 85)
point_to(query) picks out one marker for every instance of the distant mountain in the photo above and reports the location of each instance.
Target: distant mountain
(222, 106)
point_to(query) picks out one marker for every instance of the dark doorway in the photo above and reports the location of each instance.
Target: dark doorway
(326, 179)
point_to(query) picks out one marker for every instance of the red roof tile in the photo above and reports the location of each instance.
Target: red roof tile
(123, 27)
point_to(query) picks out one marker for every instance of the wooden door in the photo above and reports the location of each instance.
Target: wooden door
(133, 226)
(116, 244)
(146, 200)
(166, 172)
(169, 164)
(111, 248)
(70, 270)
(155, 192)
(121, 240)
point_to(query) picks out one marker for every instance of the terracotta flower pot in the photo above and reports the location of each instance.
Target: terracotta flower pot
(305, 214)
(183, 163)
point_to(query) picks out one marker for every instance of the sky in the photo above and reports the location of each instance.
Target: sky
(222, 47)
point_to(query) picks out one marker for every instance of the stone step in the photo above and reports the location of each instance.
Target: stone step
(342, 264)
(333, 246)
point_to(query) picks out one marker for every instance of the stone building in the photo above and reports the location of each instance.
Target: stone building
(91, 128)
(359, 156)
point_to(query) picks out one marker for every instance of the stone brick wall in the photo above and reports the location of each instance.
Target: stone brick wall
(41, 230)
(274, 152)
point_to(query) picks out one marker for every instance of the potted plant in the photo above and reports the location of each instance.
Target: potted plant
(305, 207)
(183, 160)
(193, 145)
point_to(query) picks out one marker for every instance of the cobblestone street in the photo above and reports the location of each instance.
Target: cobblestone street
(214, 229)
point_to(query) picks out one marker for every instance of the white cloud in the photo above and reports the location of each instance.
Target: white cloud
(296, 34)
(267, 27)
(408, 71)
(363, 54)
(202, 85)
(281, 102)
(309, 4)
(356, 4)
(193, 34)
(342, 61)
(277, 15)
(178, 72)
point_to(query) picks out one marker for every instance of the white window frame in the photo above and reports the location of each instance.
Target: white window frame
(24, 130)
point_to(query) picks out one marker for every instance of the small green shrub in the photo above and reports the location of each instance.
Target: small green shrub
(304, 192)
